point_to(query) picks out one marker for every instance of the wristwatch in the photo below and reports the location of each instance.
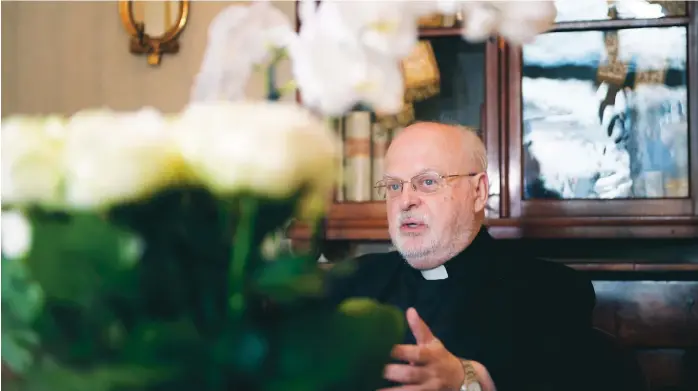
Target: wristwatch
(470, 382)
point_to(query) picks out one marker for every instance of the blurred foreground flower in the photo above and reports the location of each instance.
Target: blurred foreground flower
(259, 148)
(32, 160)
(98, 159)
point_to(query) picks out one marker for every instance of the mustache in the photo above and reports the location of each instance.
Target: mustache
(412, 218)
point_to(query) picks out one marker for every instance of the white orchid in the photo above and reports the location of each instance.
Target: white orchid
(239, 38)
(332, 77)
(516, 21)
(480, 21)
(346, 52)
(386, 27)
(335, 71)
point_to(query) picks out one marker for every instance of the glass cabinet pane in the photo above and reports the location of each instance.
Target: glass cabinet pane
(605, 115)
(588, 10)
(461, 97)
(462, 88)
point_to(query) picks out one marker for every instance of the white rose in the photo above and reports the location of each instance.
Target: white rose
(16, 235)
(112, 157)
(266, 148)
(32, 153)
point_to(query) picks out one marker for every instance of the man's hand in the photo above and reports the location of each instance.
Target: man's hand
(431, 366)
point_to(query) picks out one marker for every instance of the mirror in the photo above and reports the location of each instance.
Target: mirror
(154, 26)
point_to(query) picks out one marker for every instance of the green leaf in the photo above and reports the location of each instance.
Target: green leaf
(52, 376)
(78, 258)
(344, 350)
(16, 349)
(22, 301)
(289, 278)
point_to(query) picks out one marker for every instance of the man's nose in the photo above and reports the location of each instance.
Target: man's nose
(409, 198)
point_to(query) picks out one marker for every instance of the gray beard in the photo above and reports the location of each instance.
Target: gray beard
(433, 250)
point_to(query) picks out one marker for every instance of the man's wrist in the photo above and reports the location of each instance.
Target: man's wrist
(470, 379)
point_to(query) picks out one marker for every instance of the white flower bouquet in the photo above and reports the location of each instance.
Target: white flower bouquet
(132, 242)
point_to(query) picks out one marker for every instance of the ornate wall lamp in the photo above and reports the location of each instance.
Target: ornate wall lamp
(154, 26)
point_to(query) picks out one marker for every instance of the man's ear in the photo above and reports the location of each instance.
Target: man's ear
(482, 191)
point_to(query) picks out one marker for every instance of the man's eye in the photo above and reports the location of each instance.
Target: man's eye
(428, 182)
(394, 186)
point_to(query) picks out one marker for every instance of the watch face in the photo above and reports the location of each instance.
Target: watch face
(474, 387)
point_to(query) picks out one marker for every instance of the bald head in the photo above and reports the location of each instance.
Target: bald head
(439, 214)
(458, 148)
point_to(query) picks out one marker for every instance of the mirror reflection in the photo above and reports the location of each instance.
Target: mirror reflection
(605, 114)
(157, 17)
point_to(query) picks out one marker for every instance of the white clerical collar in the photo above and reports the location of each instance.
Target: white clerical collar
(437, 273)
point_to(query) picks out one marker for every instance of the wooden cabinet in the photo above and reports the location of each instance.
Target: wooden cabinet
(591, 130)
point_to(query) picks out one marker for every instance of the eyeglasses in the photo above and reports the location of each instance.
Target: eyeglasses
(423, 183)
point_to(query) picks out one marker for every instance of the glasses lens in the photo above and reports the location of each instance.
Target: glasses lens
(393, 188)
(427, 183)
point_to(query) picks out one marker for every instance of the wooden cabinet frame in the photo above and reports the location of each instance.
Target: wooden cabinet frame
(602, 218)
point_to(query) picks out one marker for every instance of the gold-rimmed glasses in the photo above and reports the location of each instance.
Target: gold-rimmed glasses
(423, 183)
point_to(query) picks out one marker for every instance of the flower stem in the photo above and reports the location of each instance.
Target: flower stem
(241, 252)
(272, 92)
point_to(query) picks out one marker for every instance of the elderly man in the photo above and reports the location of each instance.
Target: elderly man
(480, 317)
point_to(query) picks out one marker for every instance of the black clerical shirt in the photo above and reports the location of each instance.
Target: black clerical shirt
(523, 318)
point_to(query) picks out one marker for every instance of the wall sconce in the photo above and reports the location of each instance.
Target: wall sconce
(154, 26)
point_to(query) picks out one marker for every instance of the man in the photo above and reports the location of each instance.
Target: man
(480, 317)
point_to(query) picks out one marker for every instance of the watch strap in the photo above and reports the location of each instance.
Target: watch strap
(470, 382)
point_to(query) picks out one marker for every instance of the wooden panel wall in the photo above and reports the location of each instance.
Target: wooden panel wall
(658, 320)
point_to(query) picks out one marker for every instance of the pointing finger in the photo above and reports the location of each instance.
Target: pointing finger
(420, 330)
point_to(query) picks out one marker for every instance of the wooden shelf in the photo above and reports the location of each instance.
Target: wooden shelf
(620, 24)
(617, 267)
(440, 32)
(635, 267)
(367, 221)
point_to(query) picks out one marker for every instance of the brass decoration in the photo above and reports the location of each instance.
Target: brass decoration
(154, 26)
(654, 76)
(431, 21)
(615, 70)
(422, 80)
(421, 73)
(405, 117)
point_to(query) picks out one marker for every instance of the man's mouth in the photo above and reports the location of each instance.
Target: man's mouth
(412, 225)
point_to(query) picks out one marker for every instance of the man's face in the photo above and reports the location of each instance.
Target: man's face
(424, 226)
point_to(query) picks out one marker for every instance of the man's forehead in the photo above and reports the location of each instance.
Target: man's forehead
(420, 159)
(425, 171)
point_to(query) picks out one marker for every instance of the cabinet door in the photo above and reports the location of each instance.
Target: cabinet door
(603, 115)
(468, 97)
